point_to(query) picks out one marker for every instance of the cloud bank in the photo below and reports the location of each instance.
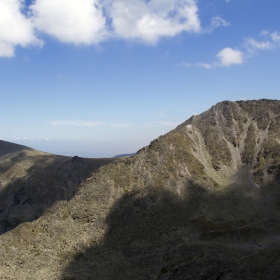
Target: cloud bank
(88, 123)
(92, 21)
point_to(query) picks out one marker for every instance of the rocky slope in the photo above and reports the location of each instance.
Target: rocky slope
(30, 181)
(201, 202)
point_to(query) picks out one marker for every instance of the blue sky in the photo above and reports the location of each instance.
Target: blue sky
(97, 78)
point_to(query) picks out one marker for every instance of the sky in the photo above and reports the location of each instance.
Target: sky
(98, 78)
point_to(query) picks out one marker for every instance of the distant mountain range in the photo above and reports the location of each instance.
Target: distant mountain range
(201, 202)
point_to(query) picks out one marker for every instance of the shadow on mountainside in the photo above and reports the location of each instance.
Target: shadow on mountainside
(46, 179)
(204, 235)
(8, 147)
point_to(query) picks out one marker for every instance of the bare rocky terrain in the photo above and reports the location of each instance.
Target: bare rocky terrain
(201, 202)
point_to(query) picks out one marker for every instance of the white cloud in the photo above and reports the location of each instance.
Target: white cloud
(229, 56)
(218, 21)
(253, 45)
(275, 36)
(198, 65)
(226, 57)
(185, 64)
(70, 21)
(32, 138)
(148, 21)
(76, 123)
(121, 125)
(215, 23)
(92, 21)
(264, 33)
(25, 138)
(272, 41)
(15, 28)
(204, 65)
(88, 123)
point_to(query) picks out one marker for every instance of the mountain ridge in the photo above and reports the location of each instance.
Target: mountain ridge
(31, 180)
(196, 203)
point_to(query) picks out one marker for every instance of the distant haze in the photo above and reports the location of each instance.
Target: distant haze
(80, 148)
(95, 147)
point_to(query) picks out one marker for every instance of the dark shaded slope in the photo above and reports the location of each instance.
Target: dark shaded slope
(30, 181)
(8, 147)
(163, 236)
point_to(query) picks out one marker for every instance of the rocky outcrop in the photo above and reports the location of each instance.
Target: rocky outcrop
(201, 202)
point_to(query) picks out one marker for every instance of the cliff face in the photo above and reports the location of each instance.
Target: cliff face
(201, 202)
